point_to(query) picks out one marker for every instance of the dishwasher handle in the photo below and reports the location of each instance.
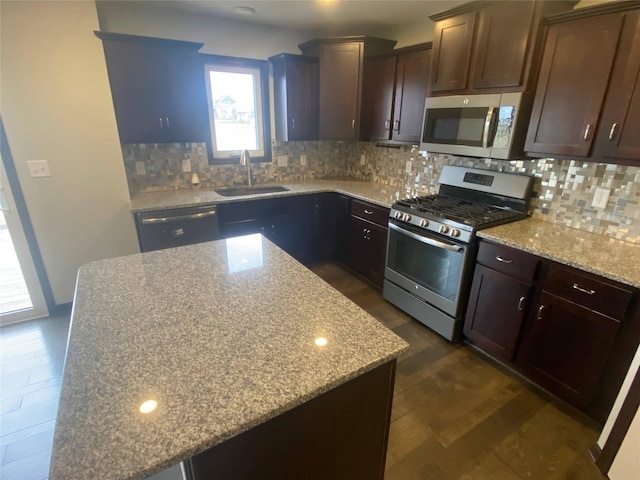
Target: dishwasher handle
(169, 219)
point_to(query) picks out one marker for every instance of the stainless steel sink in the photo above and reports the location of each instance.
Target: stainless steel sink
(258, 190)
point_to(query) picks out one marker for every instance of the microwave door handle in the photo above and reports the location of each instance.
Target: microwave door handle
(428, 241)
(488, 123)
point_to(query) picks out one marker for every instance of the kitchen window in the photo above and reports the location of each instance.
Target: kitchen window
(238, 101)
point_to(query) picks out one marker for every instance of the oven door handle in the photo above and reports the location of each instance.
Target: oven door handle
(428, 241)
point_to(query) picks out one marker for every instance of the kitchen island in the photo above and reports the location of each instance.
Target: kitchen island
(228, 338)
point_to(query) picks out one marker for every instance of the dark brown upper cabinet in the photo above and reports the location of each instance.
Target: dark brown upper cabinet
(158, 89)
(395, 87)
(488, 46)
(295, 85)
(340, 81)
(587, 104)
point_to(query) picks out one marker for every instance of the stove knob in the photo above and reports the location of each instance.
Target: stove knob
(406, 217)
(424, 223)
(444, 228)
(398, 215)
(455, 233)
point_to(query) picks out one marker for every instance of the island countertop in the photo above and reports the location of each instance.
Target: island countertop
(220, 334)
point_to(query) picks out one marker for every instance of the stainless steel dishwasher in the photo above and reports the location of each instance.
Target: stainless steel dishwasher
(176, 227)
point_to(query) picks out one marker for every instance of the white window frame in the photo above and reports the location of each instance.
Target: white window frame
(259, 70)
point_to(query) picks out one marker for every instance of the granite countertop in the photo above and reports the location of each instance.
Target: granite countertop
(221, 334)
(378, 193)
(604, 256)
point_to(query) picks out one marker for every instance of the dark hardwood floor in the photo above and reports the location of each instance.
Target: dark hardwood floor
(455, 414)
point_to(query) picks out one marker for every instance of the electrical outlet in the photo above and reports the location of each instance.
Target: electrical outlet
(186, 165)
(409, 166)
(39, 168)
(283, 160)
(363, 160)
(303, 160)
(140, 170)
(600, 198)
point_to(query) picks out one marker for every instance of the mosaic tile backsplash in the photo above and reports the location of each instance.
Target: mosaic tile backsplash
(564, 189)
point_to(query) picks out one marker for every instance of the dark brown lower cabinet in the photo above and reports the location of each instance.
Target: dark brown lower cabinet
(569, 347)
(496, 310)
(341, 434)
(330, 227)
(367, 249)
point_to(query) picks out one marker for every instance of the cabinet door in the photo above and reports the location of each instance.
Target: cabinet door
(340, 81)
(501, 47)
(136, 80)
(295, 86)
(497, 306)
(619, 132)
(367, 249)
(451, 53)
(568, 348)
(377, 105)
(412, 80)
(330, 227)
(574, 75)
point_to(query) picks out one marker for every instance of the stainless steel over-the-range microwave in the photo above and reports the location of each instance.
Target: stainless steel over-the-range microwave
(491, 126)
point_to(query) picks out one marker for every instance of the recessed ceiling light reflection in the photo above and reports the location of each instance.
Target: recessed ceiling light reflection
(321, 341)
(148, 406)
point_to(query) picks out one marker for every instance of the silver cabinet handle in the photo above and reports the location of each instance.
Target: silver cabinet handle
(487, 127)
(587, 131)
(167, 119)
(583, 290)
(396, 125)
(178, 232)
(147, 221)
(503, 260)
(386, 124)
(353, 124)
(293, 123)
(161, 124)
(540, 310)
(521, 303)
(612, 132)
(368, 212)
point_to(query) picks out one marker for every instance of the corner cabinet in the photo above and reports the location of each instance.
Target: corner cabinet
(340, 81)
(295, 85)
(158, 89)
(588, 100)
(487, 45)
(395, 87)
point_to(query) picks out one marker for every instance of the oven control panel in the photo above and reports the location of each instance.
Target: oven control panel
(462, 233)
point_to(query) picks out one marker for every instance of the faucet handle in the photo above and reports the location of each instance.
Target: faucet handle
(245, 158)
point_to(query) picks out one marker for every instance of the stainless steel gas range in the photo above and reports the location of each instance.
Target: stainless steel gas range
(432, 242)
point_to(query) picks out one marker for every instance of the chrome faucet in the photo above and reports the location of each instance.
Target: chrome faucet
(245, 160)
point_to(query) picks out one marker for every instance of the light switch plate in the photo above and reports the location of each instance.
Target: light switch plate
(283, 160)
(39, 168)
(600, 198)
(303, 160)
(363, 160)
(186, 165)
(140, 170)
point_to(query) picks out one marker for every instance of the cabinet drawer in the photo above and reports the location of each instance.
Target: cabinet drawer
(375, 214)
(509, 261)
(589, 291)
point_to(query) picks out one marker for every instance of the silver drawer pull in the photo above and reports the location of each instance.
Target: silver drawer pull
(178, 232)
(583, 290)
(368, 212)
(540, 311)
(521, 303)
(503, 260)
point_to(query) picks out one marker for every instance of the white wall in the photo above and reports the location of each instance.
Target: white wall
(56, 106)
(220, 36)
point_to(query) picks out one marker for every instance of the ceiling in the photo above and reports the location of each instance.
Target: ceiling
(360, 15)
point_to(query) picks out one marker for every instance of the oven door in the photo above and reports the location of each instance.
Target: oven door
(428, 266)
